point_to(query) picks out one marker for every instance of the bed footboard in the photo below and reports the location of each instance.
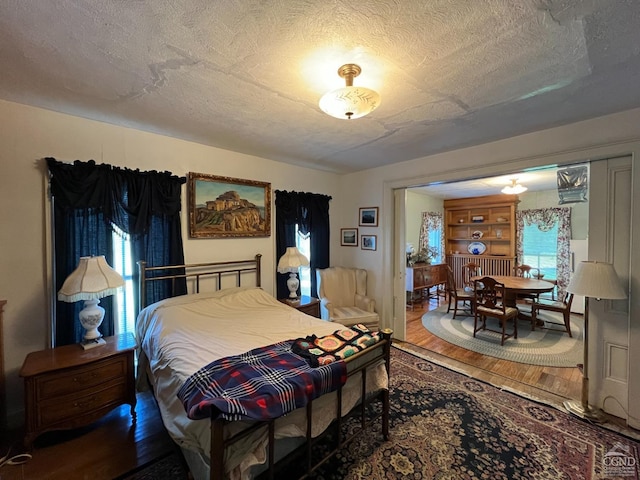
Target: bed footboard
(359, 363)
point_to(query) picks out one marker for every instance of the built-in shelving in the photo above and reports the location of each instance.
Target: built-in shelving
(489, 220)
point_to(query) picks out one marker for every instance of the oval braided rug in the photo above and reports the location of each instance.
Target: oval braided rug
(544, 347)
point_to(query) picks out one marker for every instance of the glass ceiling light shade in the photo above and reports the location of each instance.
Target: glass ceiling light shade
(289, 263)
(92, 279)
(349, 102)
(514, 189)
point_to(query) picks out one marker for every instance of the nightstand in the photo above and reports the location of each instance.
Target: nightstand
(308, 305)
(68, 387)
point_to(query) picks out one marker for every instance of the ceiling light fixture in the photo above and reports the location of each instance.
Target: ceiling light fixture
(514, 189)
(349, 102)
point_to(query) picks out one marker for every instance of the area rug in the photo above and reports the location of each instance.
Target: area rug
(445, 425)
(543, 347)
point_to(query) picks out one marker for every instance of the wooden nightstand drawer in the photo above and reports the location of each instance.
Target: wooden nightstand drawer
(305, 304)
(311, 309)
(68, 387)
(81, 378)
(69, 408)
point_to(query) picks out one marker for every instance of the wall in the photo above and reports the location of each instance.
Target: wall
(27, 135)
(548, 199)
(609, 136)
(416, 203)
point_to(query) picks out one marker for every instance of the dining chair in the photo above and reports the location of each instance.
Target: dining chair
(561, 306)
(457, 295)
(470, 270)
(524, 271)
(488, 295)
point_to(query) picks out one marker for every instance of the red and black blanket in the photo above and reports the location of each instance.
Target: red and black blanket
(262, 384)
(268, 382)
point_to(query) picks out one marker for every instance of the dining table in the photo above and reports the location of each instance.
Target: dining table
(514, 286)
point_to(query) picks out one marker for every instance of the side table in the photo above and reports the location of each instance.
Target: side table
(68, 387)
(306, 304)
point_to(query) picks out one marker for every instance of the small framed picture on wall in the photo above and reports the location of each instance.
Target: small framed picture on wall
(349, 237)
(368, 242)
(368, 217)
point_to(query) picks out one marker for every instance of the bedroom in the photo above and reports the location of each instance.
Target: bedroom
(29, 133)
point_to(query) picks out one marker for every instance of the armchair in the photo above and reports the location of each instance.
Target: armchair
(343, 297)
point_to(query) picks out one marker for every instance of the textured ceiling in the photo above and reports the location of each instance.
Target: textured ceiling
(246, 75)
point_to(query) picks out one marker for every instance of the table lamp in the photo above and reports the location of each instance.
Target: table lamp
(596, 280)
(92, 280)
(290, 262)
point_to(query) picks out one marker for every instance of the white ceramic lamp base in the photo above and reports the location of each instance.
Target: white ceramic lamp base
(91, 317)
(292, 284)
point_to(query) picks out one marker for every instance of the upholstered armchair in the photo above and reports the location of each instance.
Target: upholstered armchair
(343, 297)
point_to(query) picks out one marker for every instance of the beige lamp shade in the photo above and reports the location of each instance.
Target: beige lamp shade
(596, 280)
(291, 261)
(92, 279)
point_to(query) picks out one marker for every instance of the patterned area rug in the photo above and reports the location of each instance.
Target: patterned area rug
(445, 425)
(544, 347)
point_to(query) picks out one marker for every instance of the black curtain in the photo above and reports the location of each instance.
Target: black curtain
(92, 201)
(310, 211)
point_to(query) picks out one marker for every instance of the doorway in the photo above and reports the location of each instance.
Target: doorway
(552, 382)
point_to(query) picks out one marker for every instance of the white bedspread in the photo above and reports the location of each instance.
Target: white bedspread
(180, 335)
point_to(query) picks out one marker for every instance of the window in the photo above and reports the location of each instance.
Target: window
(540, 249)
(304, 245)
(435, 244)
(124, 310)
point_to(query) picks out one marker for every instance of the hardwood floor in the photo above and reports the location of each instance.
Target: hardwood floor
(104, 450)
(546, 383)
(113, 446)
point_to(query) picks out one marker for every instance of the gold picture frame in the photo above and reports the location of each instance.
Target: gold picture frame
(225, 207)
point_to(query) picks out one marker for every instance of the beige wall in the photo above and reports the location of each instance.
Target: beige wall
(548, 199)
(27, 135)
(603, 137)
(416, 203)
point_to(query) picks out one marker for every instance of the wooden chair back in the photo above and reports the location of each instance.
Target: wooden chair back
(488, 302)
(522, 271)
(470, 270)
(488, 294)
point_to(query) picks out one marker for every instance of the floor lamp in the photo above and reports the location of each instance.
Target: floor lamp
(592, 280)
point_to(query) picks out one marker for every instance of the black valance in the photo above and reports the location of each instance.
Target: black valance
(127, 199)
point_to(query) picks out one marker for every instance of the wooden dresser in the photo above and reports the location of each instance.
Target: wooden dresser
(68, 387)
(422, 277)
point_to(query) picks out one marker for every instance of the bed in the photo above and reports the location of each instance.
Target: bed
(179, 335)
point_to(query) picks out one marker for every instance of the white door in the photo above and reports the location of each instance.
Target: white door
(399, 265)
(610, 241)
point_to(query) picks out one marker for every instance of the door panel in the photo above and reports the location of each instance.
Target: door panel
(610, 241)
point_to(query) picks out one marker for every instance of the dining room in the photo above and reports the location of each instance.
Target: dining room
(473, 222)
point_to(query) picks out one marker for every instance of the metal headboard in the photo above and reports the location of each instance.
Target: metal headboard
(198, 271)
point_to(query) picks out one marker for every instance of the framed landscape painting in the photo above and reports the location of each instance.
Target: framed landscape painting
(349, 237)
(368, 217)
(222, 207)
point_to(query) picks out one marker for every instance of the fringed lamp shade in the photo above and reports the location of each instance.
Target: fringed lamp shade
(289, 263)
(91, 280)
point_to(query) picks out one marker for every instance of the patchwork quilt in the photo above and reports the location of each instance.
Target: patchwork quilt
(340, 345)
